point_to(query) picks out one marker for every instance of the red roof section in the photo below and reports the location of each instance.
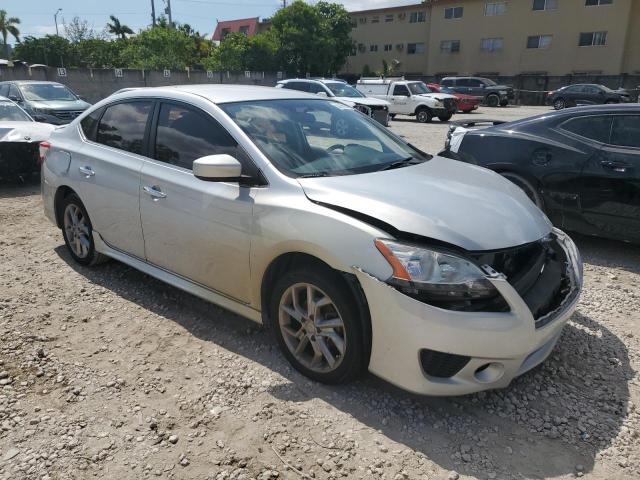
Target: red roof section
(234, 26)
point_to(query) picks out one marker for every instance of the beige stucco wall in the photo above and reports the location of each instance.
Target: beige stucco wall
(564, 56)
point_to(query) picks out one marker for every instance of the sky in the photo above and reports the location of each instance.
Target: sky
(37, 16)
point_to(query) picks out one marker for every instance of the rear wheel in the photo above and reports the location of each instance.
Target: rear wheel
(493, 100)
(526, 186)
(445, 118)
(78, 232)
(317, 324)
(559, 103)
(424, 115)
(504, 103)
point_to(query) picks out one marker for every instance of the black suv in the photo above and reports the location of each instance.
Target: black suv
(491, 93)
(586, 94)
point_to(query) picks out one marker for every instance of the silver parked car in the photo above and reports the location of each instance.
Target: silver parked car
(358, 253)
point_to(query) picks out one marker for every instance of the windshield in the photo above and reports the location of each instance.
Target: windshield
(309, 138)
(47, 91)
(343, 90)
(418, 88)
(607, 89)
(10, 112)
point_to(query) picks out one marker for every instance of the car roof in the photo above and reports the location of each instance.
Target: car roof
(220, 93)
(30, 81)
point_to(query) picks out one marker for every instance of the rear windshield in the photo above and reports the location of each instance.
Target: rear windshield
(47, 92)
(10, 112)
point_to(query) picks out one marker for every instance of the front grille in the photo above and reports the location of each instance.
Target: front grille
(442, 365)
(67, 114)
(539, 272)
(364, 109)
(450, 104)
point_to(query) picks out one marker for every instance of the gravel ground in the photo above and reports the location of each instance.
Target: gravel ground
(107, 373)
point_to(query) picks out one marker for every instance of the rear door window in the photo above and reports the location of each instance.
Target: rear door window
(596, 127)
(89, 124)
(123, 125)
(626, 131)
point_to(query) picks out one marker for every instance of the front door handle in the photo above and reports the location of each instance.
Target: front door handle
(619, 167)
(87, 171)
(155, 192)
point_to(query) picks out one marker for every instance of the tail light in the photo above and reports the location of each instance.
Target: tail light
(551, 93)
(44, 149)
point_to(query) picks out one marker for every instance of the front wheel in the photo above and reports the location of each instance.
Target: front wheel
(559, 104)
(493, 100)
(526, 186)
(78, 232)
(445, 118)
(424, 115)
(317, 324)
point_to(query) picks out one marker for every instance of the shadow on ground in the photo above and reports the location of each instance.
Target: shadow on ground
(551, 419)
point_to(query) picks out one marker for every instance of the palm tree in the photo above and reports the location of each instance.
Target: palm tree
(117, 29)
(8, 26)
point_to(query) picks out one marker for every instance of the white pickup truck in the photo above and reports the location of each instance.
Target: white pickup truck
(409, 97)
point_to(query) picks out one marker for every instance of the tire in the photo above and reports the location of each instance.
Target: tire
(78, 236)
(424, 115)
(353, 337)
(559, 103)
(467, 111)
(493, 100)
(504, 103)
(526, 186)
(392, 116)
(445, 118)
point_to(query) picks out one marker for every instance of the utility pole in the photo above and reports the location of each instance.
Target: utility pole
(55, 19)
(153, 13)
(168, 12)
(284, 3)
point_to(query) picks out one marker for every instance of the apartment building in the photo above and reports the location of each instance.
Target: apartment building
(500, 37)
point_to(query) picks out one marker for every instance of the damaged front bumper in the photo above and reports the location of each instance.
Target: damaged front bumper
(19, 159)
(433, 351)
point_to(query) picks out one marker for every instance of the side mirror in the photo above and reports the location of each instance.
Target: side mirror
(322, 94)
(15, 98)
(217, 168)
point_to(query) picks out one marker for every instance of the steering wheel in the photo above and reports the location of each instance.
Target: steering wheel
(337, 146)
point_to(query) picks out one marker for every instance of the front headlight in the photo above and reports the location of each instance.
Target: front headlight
(43, 111)
(439, 103)
(436, 276)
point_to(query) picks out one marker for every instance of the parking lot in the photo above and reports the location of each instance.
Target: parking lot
(108, 373)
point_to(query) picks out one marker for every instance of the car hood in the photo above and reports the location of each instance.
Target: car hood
(442, 199)
(438, 96)
(25, 131)
(60, 105)
(369, 101)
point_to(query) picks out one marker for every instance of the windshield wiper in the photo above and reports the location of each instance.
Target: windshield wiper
(401, 163)
(314, 175)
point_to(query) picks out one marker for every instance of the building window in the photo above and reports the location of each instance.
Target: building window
(453, 12)
(591, 39)
(375, 19)
(595, 3)
(373, 48)
(388, 18)
(415, 48)
(491, 44)
(244, 29)
(545, 4)
(224, 33)
(417, 17)
(362, 20)
(492, 9)
(539, 41)
(388, 47)
(450, 46)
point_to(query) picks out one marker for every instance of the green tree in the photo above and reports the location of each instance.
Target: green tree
(238, 53)
(118, 29)
(158, 48)
(99, 53)
(312, 38)
(49, 50)
(8, 26)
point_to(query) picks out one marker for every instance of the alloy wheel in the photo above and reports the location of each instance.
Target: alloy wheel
(77, 230)
(559, 104)
(312, 327)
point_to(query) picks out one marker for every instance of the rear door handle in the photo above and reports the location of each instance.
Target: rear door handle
(619, 167)
(87, 171)
(155, 192)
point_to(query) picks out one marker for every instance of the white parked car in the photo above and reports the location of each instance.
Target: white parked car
(343, 92)
(410, 97)
(358, 253)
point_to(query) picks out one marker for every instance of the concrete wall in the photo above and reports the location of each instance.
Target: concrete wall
(95, 84)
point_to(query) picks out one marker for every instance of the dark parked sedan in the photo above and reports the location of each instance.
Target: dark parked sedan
(586, 94)
(581, 166)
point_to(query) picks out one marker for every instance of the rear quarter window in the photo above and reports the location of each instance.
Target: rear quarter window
(593, 127)
(89, 124)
